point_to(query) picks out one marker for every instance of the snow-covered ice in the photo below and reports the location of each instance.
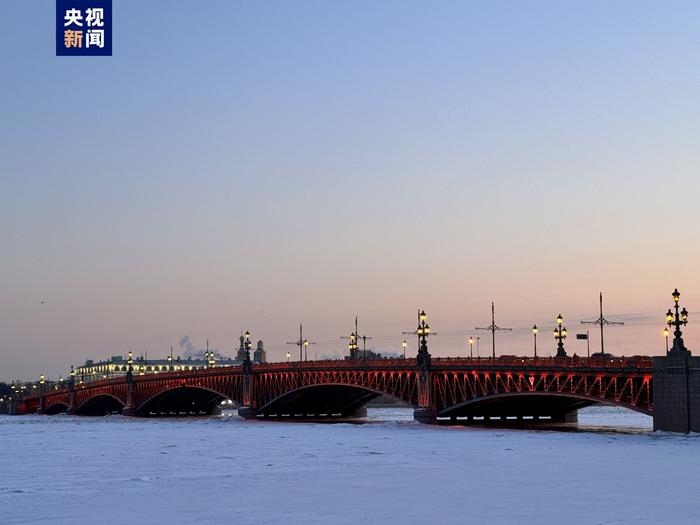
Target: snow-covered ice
(389, 470)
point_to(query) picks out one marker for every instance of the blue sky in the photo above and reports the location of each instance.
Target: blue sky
(239, 165)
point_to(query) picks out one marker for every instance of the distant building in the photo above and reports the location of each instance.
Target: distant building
(117, 366)
(363, 354)
(259, 356)
(240, 355)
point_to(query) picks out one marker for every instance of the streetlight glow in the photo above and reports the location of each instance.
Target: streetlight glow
(677, 320)
(560, 335)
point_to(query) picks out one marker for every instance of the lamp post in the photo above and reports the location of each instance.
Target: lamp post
(677, 320)
(471, 347)
(560, 335)
(306, 347)
(41, 383)
(534, 334)
(352, 345)
(666, 336)
(423, 331)
(288, 356)
(247, 364)
(354, 338)
(211, 362)
(246, 344)
(403, 345)
(301, 343)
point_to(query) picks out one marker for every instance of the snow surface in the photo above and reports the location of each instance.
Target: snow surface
(389, 470)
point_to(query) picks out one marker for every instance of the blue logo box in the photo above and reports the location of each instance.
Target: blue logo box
(83, 27)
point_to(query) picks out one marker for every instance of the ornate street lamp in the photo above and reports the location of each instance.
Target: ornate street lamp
(306, 346)
(210, 358)
(301, 343)
(560, 335)
(246, 344)
(471, 347)
(534, 333)
(423, 331)
(677, 320)
(247, 363)
(403, 345)
(666, 336)
(352, 345)
(352, 341)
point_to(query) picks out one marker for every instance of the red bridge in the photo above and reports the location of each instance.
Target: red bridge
(449, 389)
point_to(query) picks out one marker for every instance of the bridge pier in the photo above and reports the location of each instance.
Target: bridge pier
(71, 400)
(128, 409)
(565, 417)
(248, 413)
(360, 412)
(425, 415)
(677, 391)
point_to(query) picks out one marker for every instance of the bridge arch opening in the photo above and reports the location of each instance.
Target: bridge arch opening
(182, 400)
(56, 408)
(100, 405)
(552, 406)
(323, 400)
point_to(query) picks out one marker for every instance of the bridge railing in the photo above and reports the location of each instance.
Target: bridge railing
(574, 362)
(641, 362)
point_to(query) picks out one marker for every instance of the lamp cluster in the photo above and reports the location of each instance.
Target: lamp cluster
(423, 329)
(352, 345)
(676, 319)
(560, 335)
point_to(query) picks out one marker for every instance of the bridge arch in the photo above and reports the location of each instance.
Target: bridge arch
(529, 404)
(58, 407)
(100, 405)
(182, 400)
(323, 399)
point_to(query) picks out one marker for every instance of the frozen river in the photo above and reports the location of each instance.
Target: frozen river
(389, 470)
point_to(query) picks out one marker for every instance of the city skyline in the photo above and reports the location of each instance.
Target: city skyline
(308, 163)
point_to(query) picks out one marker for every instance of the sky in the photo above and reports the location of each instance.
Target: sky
(250, 166)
